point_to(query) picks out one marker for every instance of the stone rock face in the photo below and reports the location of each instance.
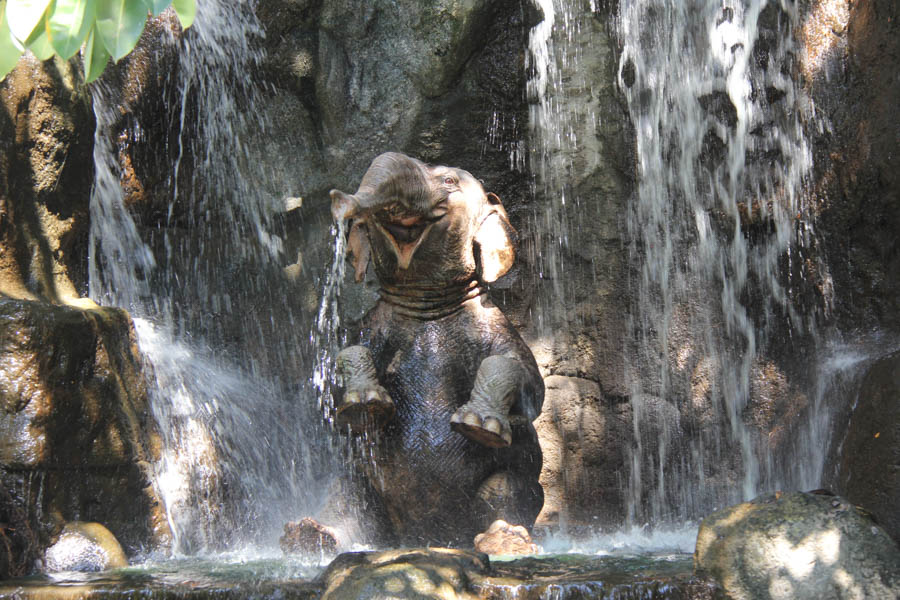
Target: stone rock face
(583, 437)
(84, 547)
(76, 436)
(797, 545)
(849, 63)
(46, 172)
(869, 465)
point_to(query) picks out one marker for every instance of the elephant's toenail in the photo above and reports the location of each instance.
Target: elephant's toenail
(373, 396)
(472, 419)
(492, 425)
(351, 397)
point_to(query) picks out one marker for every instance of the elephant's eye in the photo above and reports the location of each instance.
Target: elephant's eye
(450, 180)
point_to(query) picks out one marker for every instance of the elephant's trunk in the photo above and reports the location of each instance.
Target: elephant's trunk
(392, 177)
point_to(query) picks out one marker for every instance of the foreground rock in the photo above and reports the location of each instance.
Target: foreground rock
(84, 547)
(797, 545)
(442, 573)
(416, 573)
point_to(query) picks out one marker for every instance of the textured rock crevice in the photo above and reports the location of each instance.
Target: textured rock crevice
(77, 441)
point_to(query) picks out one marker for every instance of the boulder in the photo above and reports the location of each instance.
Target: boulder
(439, 573)
(503, 538)
(797, 545)
(869, 464)
(307, 536)
(85, 547)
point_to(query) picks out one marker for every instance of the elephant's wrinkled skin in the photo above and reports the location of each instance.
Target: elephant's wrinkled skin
(439, 375)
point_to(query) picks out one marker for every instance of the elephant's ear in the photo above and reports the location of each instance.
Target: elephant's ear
(358, 244)
(494, 241)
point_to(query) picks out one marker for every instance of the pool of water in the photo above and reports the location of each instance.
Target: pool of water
(619, 575)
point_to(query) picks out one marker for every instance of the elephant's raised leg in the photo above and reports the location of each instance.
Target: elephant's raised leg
(485, 417)
(366, 404)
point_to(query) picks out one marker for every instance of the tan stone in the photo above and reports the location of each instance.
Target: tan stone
(582, 436)
(46, 172)
(503, 538)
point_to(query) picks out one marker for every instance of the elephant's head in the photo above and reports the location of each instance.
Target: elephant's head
(425, 225)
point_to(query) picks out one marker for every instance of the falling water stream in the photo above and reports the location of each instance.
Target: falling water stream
(244, 451)
(713, 234)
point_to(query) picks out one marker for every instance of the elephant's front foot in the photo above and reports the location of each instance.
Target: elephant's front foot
(364, 409)
(485, 417)
(482, 424)
(366, 404)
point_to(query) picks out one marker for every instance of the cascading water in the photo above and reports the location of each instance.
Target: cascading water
(716, 225)
(222, 326)
(722, 157)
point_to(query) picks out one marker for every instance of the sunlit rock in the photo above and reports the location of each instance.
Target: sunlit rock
(503, 538)
(416, 573)
(583, 435)
(797, 545)
(46, 137)
(84, 547)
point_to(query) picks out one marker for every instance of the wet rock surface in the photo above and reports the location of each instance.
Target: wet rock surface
(308, 537)
(797, 545)
(581, 432)
(849, 57)
(868, 473)
(84, 547)
(76, 437)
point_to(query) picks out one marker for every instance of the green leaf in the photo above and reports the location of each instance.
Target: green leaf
(119, 25)
(186, 11)
(40, 44)
(69, 23)
(9, 50)
(157, 6)
(95, 57)
(23, 16)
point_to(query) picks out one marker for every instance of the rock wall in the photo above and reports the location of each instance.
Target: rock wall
(46, 172)
(76, 437)
(848, 61)
(867, 469)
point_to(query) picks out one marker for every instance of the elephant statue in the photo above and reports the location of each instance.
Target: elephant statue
(439, 383)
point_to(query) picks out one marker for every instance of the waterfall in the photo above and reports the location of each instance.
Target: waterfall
(722, 158)
(714, 232)
(200, 270)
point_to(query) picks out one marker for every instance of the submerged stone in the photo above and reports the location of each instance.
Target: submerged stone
(84, 547)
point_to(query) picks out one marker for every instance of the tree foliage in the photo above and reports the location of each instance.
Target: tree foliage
(103, 29)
